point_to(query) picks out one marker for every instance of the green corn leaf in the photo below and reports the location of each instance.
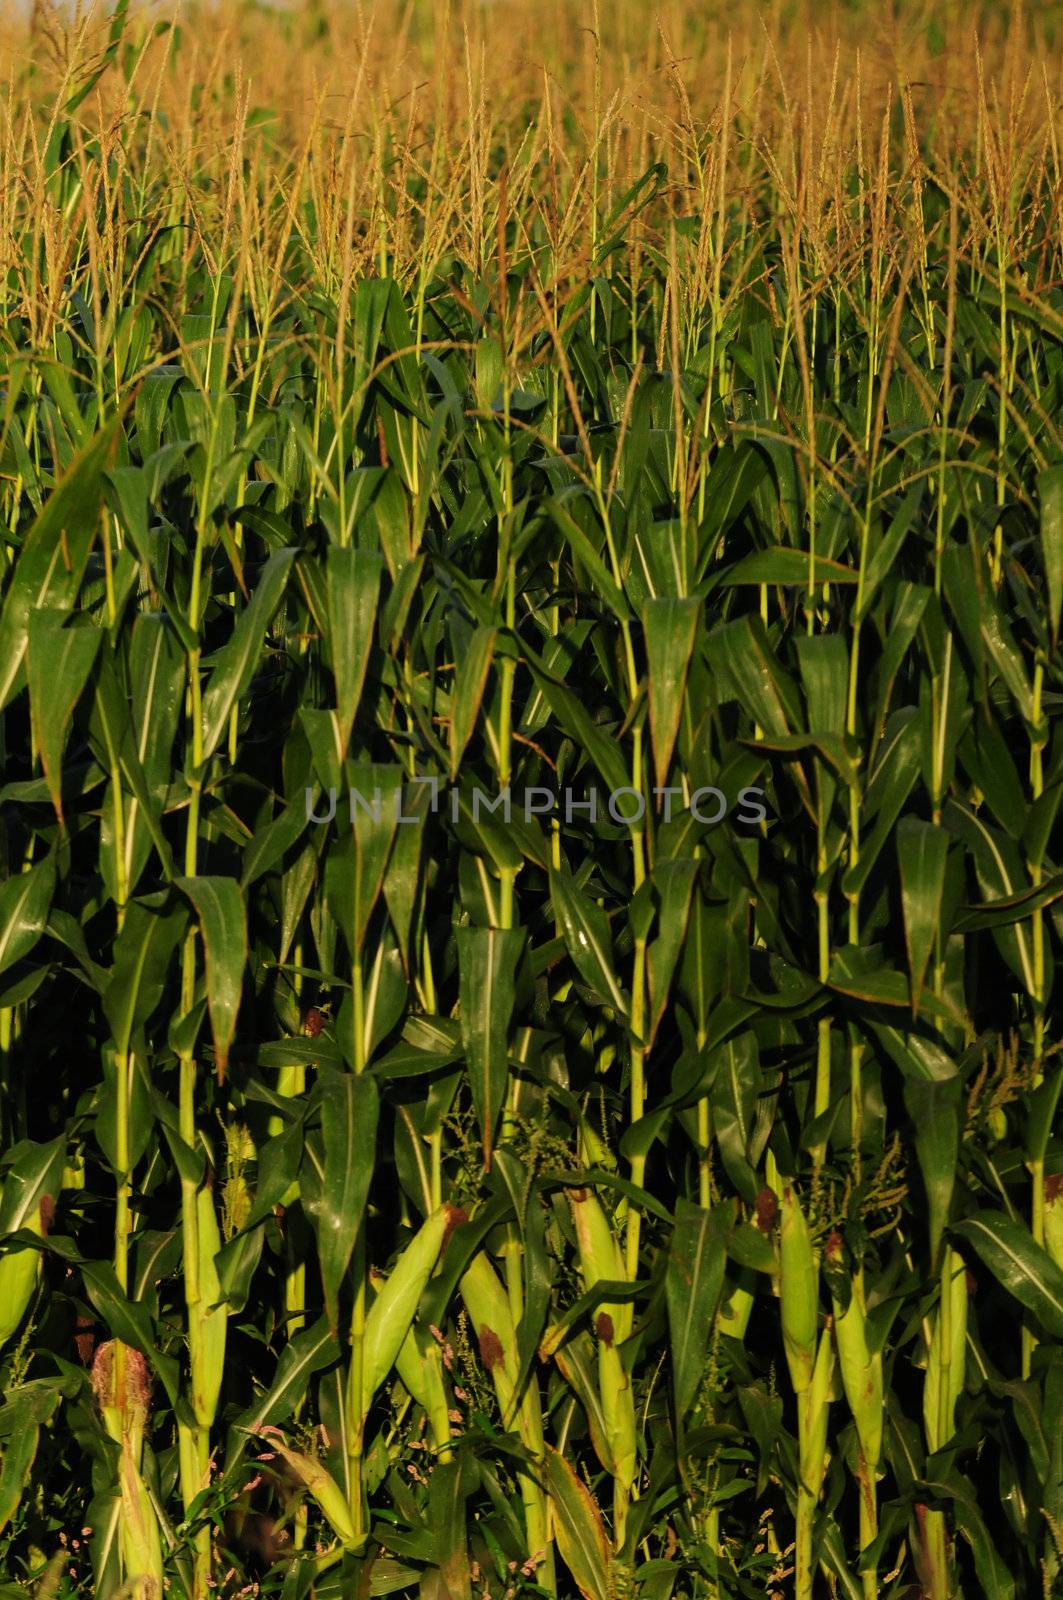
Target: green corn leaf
(732, 1098)
(589, 557)
(58, 663)
(309, 1352)
(54, 552)
(743, 651)
(402, 880)
(1000, 877)
(1042, 1113)
(735, 474)
(142, 954)
(448, 1516)
(349, 1110)
(352, 586)
(922, 850)
(139, 1112)
(894, 772)
(24, 1412)
(693, 1281)
(576, 1362)
(1011, 908)
(1019, 1264)
(888, 547)
(994, 1579)
(670, 628)
(588, 735)
(580, 1533)
(25, 901)
(673, 881)
(788, 568)
(222, 916)
(469, 682)
(824, 662)
(935, 1109)
(354, 871)
(487, 963)
(236, 662)
(1050, 494)
(586, 932)
(31, 1186)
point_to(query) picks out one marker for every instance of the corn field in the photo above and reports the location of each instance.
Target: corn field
(530, 883)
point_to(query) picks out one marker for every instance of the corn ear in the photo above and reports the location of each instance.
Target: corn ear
(420, 1366)
(1054, 1217)
(321, 1485)
(390, 1317)
(736, 1305)
(19, 1272)
(798, 1291)
(575, 1361)
(947, 1357)
(600, 1260)
(813, 1409)
(861, 1371)
(487, 1303)
(813, 1404)
(599, 1254)
(208, 1321)
(410, 1366)
(141, 1545)
(618, 1406)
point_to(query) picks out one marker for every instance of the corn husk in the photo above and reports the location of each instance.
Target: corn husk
(1054, 1218)
(208, 1321)
(945, 1367)
(798, 1291)
(813, 1410)
(320, 1484)
(390, 1317)
(861, 1371)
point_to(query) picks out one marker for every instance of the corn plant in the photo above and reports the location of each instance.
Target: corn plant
(530, 675)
